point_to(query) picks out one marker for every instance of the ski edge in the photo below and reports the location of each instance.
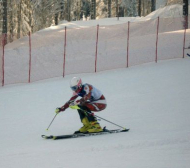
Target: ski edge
(125, 130)
(81, 134)
(47, 137)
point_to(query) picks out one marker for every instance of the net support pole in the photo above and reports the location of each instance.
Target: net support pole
(96, 54)
(30, 58)
(3, 59)
(185, 29)
(64, 55)
(128, 44)
(156, 57)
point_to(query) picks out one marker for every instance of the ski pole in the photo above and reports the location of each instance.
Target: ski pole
(103, 119)
(108, 121)
(76, 107)
(51, 121)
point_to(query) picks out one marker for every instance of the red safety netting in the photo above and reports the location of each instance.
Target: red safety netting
(47, 54)
(142, 42)
(187, 40)
(112, 47)
(60, 51)
(16, 61)
(80, 50)
(187, 43)
(1, 60)
(171, 38)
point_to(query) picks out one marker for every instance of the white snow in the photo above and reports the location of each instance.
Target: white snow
(151, 99)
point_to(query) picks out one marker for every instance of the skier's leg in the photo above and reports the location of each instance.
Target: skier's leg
(95, 106)
(85, 121)
(94, 125)
(86, 112)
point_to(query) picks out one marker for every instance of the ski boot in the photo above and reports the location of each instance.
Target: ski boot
(85, 127)
(94, 127)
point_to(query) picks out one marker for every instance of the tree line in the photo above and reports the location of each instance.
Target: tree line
(18, 17)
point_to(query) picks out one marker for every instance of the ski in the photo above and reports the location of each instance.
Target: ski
(105, 131)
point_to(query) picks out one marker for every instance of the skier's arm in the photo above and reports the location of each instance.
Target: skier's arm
(66, 105)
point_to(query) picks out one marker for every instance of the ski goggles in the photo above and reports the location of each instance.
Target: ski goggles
(74, 88)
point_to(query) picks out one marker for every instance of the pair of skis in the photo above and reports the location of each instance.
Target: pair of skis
(105, 131)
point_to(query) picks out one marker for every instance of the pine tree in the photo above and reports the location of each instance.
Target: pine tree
(131, 7)
(109, 8)
(93, 9)
(4, 16)
(139, 8)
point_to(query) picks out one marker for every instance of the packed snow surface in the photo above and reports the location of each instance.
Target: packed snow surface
(150, 99)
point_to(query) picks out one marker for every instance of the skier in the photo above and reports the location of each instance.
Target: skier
(92, 100)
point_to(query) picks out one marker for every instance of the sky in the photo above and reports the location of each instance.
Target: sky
(151, 99)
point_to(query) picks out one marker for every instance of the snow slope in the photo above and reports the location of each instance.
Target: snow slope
(175, 10)
(152, 100)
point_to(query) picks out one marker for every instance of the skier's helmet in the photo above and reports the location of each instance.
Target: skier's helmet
(76, 84)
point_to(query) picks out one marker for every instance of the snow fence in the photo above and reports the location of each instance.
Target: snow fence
(1, 60)
(60, 51)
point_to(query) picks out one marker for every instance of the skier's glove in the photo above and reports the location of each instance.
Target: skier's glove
(58, 110)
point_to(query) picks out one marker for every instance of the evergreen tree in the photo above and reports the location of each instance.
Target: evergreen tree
(4, 16)
(131, 7)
